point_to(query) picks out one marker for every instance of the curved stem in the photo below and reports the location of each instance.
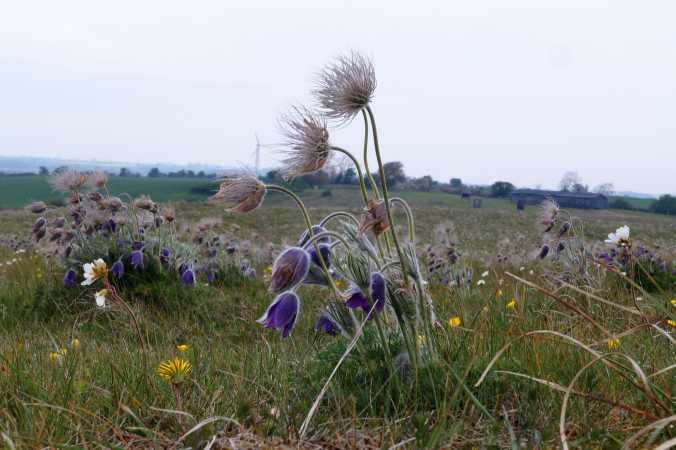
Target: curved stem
(308, 224)
(360, 174)
(333, 215)
(372, 182)
(386, 196)
(409, 216)
(324, 234)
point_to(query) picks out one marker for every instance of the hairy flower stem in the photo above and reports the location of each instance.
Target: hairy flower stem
(409, 217)
(372, 182)
(360, 174)
(308, 224)
(335, 214)
(323, 234)
(386, 197)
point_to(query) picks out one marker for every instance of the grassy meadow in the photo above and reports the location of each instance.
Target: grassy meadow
(76, 376)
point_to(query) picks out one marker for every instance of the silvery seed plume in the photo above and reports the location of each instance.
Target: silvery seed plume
(245, 193)
(346, 86)
(307, 139)
(97, 179)
(547, 217)
(67, 180)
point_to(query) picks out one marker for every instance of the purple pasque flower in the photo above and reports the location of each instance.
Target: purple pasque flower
(316, 229)
(117, 270)
(137, 259)
(40, 223)
(70, 278)
(188, 277)
(357, 299)
(109, 226)
(378, 290)
(327, 325)
(165, 254)
(289, 269)
(183, 267)
(282, 313)
(325, 251)
(137, 245)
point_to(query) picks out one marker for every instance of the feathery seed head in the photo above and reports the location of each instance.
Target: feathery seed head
(346, 86)
(67, 180)
(307, 139)
(245, 193)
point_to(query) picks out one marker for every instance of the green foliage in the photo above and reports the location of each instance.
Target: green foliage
(621, 203)
(501, 189)
(666, 204)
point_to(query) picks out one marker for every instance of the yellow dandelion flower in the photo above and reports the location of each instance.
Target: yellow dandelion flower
(454, 322)
(182, 348)
(511, 305)
(672, 323)
(340, 284)
(673, 301)
(75, 343)
(499, 293)
(421, 339)
(613, 343)
(174, 370)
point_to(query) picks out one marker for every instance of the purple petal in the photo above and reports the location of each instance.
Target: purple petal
(316, 229)
(357, 299)
(70, 278)
(289, 269)
(378, 290)
(118, 269)
(325, 251)
(137, 259)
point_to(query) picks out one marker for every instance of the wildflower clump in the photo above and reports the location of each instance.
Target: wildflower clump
(370, 272)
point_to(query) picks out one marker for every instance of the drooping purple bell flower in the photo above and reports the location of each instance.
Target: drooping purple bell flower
(316, 229)
(378, 290)
(289, 269)
(109, 226)
(118, 269)
(70, 278)
(325, 251)
(282, 313)
(39, 224)
(183, 267)
(327, 325)
(137, 245)
(164, 255)
(137, 259)
(357, 299)
(188, 277)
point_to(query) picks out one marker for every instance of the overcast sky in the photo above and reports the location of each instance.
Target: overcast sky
(483, 90)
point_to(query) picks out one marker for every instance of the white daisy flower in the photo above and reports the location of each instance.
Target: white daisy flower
(480, 282)
(485, 274)
(620, 237)
(94, 271)
(101, 297)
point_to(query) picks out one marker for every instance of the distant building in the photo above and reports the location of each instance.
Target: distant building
(565, 199)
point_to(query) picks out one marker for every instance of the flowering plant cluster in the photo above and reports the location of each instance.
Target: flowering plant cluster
(129, 235)
(644, 265)
(370, 271)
